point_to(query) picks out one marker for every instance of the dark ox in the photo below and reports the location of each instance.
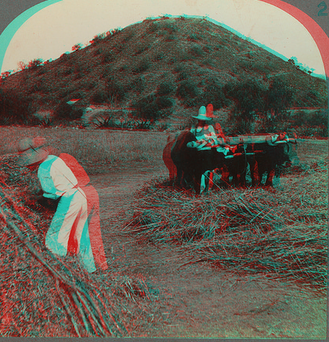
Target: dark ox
(268, 158)
(236, 166)
(186, 165)
(191, 163)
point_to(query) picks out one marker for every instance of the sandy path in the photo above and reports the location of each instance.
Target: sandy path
(201, 301)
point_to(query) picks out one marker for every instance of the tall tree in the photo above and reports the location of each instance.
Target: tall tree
(279, 96)
(248, 96)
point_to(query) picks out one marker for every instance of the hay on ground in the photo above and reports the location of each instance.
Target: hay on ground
(45, 296)
(279, 233)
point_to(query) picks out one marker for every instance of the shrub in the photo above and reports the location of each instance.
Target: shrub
(184, 56)
(109, 71)
(280, 95)
(76, 47)
(78, 67)
(172, 60)
(179, 68)
(35, 63)
(124, 67)
(99, 96)
(158, 57)
(98, 51)
(142, 124)
(153, 27)
(167, 25)
(68, 112)
(44, 118)
(166, 88)
(5, 74)
(115, 31)
(170, 37)
(300, 118)
(88, 84)
(115, 91)
(164, 113)
(248, 96)
(187, 89)
(39, 86)
(128, 36)
(14, 108)
(164, 102)
(41, 71)
(193, 37)
(183, 75)
(146, 107)
(161, 126)
(315, 124)
(210, 62)
(142, 66)
(97, 38)
(141, 49)
(241, 126)
(105, 121)
(136, 85)
(213, 93)
(63, 92)
(207, 48)
(68, 71)
(196, 51)
(64, 57)
(118, 48)
(319, 118)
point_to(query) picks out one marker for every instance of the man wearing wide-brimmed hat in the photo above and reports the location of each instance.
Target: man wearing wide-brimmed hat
(207, 138)
(31, 152)
(203, 131)
(70, 228)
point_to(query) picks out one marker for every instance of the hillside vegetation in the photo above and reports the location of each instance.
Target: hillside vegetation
(165, 69)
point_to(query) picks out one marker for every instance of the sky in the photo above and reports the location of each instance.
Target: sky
(55, 29)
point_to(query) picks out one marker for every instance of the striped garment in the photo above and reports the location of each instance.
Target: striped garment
(206, 138)
(206, 133)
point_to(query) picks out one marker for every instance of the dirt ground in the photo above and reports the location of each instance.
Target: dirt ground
(199, 300)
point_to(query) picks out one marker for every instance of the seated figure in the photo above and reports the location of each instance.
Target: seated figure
(206, 135)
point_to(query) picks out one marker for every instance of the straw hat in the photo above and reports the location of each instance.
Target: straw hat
(203, 114)
(31, 151)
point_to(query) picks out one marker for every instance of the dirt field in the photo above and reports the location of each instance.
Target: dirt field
(199, 300)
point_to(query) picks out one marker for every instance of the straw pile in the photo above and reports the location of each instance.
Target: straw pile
(44, 296)
(280, 233)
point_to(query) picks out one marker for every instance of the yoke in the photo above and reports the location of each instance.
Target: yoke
(270, 138)
(230, 145)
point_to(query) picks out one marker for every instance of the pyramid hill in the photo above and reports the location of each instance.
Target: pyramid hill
(165, 68)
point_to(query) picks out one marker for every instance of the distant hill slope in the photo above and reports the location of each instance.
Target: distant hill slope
(162, 66)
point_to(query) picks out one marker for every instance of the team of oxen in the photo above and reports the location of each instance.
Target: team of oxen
(265, 155)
